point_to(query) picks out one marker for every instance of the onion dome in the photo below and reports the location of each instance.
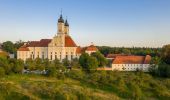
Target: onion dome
(61, 20)
(66, 23)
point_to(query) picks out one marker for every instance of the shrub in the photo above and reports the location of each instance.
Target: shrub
(164, 70)
(100, 58)
(75, 74)
(2, 72)
(88, 63)
(51, 72)
(18, 66)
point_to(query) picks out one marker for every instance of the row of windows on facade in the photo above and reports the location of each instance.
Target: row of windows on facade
(51, 57)
(43, 56)
(129, 68)
(128, 64)
(52, 53)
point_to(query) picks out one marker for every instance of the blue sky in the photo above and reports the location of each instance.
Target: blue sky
(141, 23)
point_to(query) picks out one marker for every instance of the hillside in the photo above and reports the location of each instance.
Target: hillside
(79, 86)
(33, 87)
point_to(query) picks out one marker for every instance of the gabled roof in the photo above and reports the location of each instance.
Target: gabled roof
(132, 60)
(79, 50)
(33, 44)
(69, 42)
(147, 59)
(41, 43)
(23, 48)
(91, 48)
(44, 42)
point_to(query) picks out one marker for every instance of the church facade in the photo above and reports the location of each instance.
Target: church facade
(60, 47)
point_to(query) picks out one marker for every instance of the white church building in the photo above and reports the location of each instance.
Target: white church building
(60, 47)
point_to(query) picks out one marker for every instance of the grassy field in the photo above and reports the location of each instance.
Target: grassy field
(37, 87)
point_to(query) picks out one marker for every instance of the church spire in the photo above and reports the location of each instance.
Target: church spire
(61, 24)
(61, 20)
(66, 23)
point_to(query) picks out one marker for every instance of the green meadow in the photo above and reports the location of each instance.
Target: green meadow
(77, 85)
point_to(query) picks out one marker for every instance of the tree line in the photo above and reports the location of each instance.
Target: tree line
(160, 59)
(161, 65)
(130, 51)
(86, 63)
(11, 47)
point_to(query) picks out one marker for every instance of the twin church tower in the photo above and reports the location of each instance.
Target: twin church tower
(63, 26)
(61, 46)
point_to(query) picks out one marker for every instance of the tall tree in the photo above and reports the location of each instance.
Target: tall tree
(83, 60)
(8, 46)
(18, 44)
(102, 61)
(87, 62)
(165, 54)
(92, 63)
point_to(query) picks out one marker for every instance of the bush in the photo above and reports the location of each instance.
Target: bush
(164, 70)
(165, 54)
(18, 66)
(88, 63)
(136, 91)
(102, 61)
(51, 72)
(2, 72)
(75, 74)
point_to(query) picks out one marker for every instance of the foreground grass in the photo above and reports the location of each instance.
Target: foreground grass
(37, 87)
(81, 86)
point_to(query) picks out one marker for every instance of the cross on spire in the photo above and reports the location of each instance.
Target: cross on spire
(61, 11)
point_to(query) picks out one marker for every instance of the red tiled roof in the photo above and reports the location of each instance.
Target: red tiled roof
(69, 42)
(78, 50)
(131, 60)
(41, 43)
(147, 59)
(23, 48)
(44, 42)
(91, 48)
(33, 44)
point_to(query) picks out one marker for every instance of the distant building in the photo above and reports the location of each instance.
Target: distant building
(123, 62)
(131, 63)
(60, 47)
(113, 56)
(91, 49)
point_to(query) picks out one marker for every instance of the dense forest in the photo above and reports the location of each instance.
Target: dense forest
(133, 50)
(79, 80)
